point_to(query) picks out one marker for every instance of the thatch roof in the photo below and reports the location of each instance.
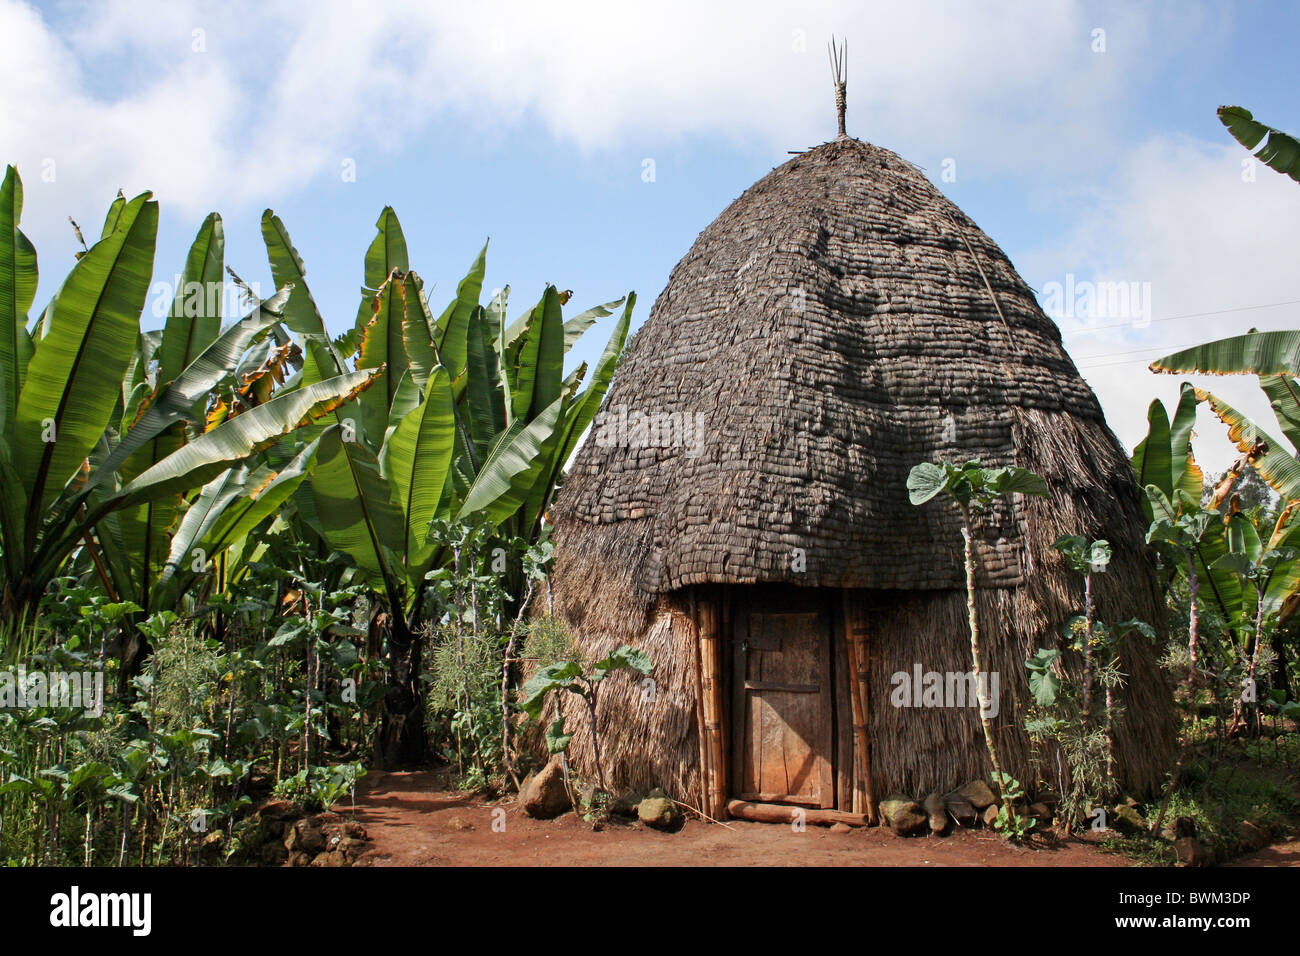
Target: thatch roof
(841, 321)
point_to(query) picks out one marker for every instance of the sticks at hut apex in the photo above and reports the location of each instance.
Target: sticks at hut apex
(839, 57)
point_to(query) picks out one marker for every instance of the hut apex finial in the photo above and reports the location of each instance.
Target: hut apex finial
(839, 57)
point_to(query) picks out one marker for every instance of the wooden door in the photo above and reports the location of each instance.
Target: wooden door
(782, 717)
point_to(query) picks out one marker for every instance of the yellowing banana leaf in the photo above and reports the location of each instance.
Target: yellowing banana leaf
(1273, 462)
(244, 435)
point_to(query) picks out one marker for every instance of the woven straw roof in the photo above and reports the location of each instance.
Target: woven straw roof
(839, 322)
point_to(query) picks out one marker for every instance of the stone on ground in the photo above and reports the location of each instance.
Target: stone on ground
(979, 793)
(544, 795)
(905, 817)
(659, 813)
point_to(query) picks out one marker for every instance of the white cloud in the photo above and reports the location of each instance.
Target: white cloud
(276, 97)
(119, 95)
(1183, 220)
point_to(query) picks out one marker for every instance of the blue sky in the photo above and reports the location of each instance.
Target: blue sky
(531, 124)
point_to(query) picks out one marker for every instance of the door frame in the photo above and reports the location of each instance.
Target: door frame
(836, 744)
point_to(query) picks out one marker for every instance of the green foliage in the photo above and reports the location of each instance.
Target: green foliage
(1010, 822)
(240, 526)
(1044, 683)
(1164, 457)
(572, 676)
(1281, 152)
(104, 447)
(284, 694)
(468, 678)
(584, 681)
(1083, 555)
(319, 788)
(1074, 740)
(187, 670)
(971, 485)
(549, 640)
(974, 488)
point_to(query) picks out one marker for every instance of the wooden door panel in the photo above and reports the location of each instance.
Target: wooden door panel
(783, 708)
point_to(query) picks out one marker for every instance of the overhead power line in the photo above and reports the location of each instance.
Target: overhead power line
(1188, 315)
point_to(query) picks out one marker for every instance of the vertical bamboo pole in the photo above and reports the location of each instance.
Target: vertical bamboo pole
(711, 688)
(855, 625)
(693, 624)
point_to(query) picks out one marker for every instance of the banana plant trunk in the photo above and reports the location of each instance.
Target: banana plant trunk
(402, 741)
(20, 600)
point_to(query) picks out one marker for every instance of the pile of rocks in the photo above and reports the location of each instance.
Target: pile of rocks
(1192, 848)
(280, 833)
(970, 805)
(545, 795)
(325, 839)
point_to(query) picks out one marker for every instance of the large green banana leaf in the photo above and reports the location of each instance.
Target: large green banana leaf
(1281, 152)
(1219, 586)
(451, 328)
(113, 219)
(1152, 458)
(582, 411)
(1258, 353)
(1283, 393)
(382, 347)
(547, 370)
(580, 323)
(136, 386)
(416, 460)
(1285, 579)
(17, 289)
(287, 269)
(505, 479)
(75, 375)
(355, 511)
(417, 329)
(228, 508)
(388, 250)
(195, 318)
(1186, 473)
(485, 395)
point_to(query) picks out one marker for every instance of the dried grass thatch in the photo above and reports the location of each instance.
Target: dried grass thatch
(838, 323)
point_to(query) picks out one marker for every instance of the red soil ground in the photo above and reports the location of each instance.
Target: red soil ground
(1279, 854)
(412, 820)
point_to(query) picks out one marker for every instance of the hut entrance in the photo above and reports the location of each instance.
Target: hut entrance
(782, 701)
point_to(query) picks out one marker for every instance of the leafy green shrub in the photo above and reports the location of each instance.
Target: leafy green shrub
(319, 788)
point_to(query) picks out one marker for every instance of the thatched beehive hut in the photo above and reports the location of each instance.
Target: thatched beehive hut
(740, 511)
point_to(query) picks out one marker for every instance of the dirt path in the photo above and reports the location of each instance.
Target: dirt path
(413, 821)
(1279, 854)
